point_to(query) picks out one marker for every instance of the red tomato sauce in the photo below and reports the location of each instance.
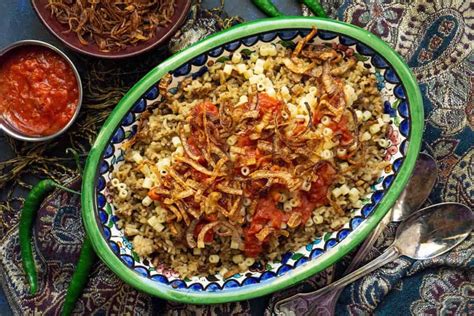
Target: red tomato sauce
(38, 91)
(269, 215)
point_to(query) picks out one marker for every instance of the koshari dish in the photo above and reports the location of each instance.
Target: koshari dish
(38, 90)
(260, 155)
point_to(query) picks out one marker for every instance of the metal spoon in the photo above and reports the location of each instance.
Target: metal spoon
(426, 234)
(413, 196)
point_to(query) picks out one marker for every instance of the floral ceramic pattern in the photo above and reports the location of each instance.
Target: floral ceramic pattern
(395, 104)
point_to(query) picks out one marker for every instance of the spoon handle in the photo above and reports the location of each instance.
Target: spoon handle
(287, 304)
(366, 247)
(327, 301)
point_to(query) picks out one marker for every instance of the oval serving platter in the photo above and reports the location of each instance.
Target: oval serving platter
(402, 101)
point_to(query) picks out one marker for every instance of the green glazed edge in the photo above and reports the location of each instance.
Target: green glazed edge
(305, 271)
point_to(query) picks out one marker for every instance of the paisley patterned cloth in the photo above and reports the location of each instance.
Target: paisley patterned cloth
(435, 37)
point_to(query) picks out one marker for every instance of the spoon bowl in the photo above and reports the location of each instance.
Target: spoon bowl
(434, 230)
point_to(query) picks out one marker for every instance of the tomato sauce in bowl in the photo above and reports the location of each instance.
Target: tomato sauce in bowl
(40, 91)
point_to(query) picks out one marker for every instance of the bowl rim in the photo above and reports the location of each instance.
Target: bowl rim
(305, 271)
(117, 55)
(11, 131)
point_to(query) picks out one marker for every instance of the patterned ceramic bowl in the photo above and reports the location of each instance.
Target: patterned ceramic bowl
(402, 101)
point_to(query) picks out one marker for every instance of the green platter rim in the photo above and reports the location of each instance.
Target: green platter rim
(305, 271)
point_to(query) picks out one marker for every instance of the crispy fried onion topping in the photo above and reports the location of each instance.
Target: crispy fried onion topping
(233, 155)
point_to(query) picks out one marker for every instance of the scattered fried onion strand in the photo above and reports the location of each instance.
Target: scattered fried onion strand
(203, 232)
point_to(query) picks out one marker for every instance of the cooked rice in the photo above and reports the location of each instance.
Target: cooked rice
(153, 225)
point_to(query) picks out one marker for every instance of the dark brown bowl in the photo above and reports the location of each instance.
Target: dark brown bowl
(70, 39)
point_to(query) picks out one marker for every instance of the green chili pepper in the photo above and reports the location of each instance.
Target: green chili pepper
(315, 7)
(267, 7)
(80, 277)
(86, 258)
(28, 214)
